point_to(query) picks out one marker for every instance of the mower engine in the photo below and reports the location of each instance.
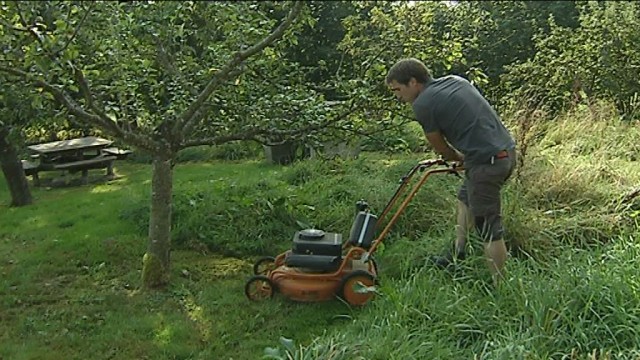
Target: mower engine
(319, 251)
(315, 250)
(363, 230)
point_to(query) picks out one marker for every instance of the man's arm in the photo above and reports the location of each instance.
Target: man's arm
(442, 147)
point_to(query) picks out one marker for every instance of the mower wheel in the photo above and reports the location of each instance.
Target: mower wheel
(356, 288)
(259, 287)
(264, 265)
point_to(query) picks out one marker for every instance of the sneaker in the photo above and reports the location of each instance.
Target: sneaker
(448, 259)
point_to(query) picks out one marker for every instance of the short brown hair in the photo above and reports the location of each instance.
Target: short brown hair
(405, 69)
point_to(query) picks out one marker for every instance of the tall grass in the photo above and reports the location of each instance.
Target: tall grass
(573, 295)
(236, 216)
(70, 264)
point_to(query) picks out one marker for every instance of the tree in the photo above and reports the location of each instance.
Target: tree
(317, 50)
(23, 116)
(496, 34)
(379, 34)
(12, 169)
(9, 161)
(599, 59)
(160, 77)
(20, 112)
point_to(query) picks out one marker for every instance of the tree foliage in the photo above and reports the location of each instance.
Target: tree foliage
(160, 76)
(553, 53)
(136, 68)
(500, 33)
(379, 34)
(317, 51)
(599, 59)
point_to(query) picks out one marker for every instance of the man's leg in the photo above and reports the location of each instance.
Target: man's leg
(485, 187)
(496, 255)
(495, 251)
(489, 227)
(464, 224)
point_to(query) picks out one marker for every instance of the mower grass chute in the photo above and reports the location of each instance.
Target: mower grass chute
(320, 267)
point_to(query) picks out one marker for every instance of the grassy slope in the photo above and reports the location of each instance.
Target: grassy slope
(70, 264)
(70, 272)
(577, 294)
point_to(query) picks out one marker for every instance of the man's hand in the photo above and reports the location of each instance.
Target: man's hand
(442, 147)
(431, 162)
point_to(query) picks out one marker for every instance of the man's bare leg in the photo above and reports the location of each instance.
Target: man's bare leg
(496, 255)
(495, 251)
(464, 224)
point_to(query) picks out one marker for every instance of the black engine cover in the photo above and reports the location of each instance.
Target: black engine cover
(317, 242)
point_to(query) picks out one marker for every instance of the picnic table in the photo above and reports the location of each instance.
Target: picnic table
(81, 154)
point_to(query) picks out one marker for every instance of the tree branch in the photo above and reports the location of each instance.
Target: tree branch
(250, 134)
(102, 121)
(32, 30)
(631, 195)
(88, 95)
(187, 118)
(165, 61)
(200, 113)
(11, 27)
(84, 87)
(253, 133)
(77, 29)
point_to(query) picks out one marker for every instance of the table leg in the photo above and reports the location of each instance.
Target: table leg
(110, 169)
(85, 176)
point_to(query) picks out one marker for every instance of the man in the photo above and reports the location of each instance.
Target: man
(462, 127)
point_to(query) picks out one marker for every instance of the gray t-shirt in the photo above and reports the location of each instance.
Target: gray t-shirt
(455, 108)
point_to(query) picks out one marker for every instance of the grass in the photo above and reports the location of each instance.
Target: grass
(70, 263)
(71, 271)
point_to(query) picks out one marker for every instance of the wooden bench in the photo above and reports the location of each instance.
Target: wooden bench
(121, 154)
(31, 169)
(98, 162)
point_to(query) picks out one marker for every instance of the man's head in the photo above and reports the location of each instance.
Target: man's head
(407, 78)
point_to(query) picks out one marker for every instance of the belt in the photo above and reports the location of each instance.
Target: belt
(500, 155)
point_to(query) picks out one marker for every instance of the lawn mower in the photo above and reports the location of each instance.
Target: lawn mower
(320, 266)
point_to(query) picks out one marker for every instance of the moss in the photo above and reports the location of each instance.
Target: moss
(154, 274)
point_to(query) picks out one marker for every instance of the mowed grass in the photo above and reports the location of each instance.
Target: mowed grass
(71, 273)
(70, 264)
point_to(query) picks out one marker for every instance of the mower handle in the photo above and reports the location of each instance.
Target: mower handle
(424, 164)
(421, 166)
(431, 162)
(455, 168)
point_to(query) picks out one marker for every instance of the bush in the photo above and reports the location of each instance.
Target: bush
(259, 217)
(404, 139)
(228, 151)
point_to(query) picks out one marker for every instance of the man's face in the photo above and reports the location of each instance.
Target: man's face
(406, 93)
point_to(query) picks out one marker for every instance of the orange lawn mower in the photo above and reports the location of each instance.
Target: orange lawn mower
(320, 267)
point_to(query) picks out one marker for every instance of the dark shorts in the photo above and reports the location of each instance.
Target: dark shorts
(481, 193)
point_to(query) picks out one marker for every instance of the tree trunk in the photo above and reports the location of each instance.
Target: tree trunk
(156, 261)
(13, 173)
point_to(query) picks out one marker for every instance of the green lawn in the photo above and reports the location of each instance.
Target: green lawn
(71, 273)
(70, 264)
